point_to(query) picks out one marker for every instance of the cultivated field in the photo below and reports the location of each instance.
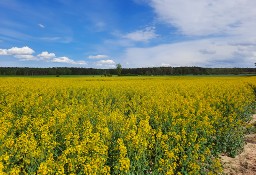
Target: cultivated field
(137, 125)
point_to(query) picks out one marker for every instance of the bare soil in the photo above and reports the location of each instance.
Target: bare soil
(244, 163)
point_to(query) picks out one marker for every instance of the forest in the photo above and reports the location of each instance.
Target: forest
(27, 71)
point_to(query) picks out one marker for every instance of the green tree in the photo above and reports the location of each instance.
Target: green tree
(119, 69)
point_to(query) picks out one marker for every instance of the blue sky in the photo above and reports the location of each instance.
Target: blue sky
(135, 33)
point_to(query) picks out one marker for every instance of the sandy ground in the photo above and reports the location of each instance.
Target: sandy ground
(244, 163)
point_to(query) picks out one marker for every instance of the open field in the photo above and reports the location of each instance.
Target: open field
(122, 125)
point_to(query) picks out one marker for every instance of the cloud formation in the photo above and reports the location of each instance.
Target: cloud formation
(207, 17)
(142, 35)
(217, 34)
(46, 55)
(214, 52)
(25, 57)
(41, 25)
(26, 54)
(98, 56)
(214, 33)
(3, 52)
(106, 63)
(17, 51)
(67, 60)
(23, 53)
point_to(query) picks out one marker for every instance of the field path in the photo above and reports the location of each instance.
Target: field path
(244, 163)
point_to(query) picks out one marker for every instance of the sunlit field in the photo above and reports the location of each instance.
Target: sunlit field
(122, 125)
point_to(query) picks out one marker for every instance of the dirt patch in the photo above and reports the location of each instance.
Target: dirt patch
(253, 119)
(244, 163)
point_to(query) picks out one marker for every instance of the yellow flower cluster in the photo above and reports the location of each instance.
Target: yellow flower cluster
(121, 125)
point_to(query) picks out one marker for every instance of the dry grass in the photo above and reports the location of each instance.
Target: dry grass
(244, 163)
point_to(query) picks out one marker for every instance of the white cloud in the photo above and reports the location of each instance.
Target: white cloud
(26, 57)
(3, 52)
(165, 65)
(80, 62)
(23, 53)
(41, 25)
(55, 38)
(98, 56)
(106, 62)
(215, 52)
(20, 51)
(103, 63)
(62, 60)
(67, 60)
(222, 33)
(46, 55)
(142, 35)
(207, 17)
(26, 54)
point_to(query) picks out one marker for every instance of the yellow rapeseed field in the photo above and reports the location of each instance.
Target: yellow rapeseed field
(116, 125)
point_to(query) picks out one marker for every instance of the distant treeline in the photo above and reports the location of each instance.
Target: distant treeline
(125, 71)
